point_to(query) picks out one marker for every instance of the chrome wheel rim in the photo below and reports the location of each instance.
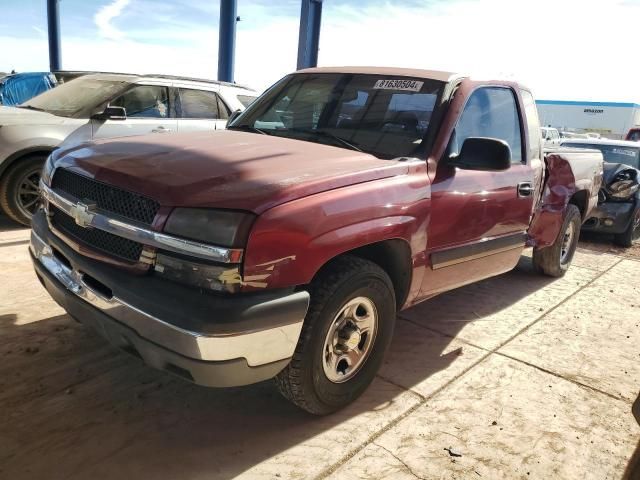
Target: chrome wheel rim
(567, 241)
(28, 193)
(350, 339)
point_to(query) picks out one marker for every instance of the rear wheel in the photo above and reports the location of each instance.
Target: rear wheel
(347, 330)
(555, 259)
(19, 195)
(631, 234)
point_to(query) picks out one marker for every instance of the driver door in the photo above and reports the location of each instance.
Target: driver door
(479, 218)
(148, 111)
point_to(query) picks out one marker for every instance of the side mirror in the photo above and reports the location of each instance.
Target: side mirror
(479, 153)
(112, 113)
(233, 116)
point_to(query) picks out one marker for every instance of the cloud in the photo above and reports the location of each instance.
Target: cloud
(576, 53)
(41, 33)
(104, 17)
(562, 50)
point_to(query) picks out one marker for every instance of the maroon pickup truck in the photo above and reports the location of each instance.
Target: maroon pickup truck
(284, 246)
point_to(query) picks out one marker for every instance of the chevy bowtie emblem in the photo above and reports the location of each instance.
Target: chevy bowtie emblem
(83, 213)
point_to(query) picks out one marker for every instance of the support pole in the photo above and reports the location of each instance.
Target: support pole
(53, 25)
(309, 38)
(227, 39)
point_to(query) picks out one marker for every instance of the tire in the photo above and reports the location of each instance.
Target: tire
(632, 233)
(555, 259)
(19, 189)
(346, 283)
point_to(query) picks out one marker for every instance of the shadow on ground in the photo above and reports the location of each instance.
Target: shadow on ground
(7, 225)
(596, 242)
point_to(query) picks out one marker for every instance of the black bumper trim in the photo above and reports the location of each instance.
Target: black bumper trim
(620, 213)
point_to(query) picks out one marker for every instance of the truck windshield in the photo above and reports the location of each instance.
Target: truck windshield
(75, 98)
(383, 115)
(612, 153)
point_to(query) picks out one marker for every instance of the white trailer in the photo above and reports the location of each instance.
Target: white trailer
(611, 119)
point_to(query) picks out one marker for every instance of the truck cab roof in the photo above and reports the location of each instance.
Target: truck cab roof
(395, 71)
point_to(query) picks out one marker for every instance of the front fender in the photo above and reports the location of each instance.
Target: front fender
(290, 243)
(19, 141)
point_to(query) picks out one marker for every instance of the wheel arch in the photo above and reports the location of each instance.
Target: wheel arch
(12, 159)
(393, 256)
(581, 200)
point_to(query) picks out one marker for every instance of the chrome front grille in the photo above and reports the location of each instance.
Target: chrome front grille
(106, 197)
(98, 240)
(74, 214)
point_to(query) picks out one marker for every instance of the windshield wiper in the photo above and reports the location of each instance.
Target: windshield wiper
(247, 128)
(324, 133)
(31, 107)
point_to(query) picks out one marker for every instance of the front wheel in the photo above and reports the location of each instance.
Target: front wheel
(555, 259)
(347, 330)
(19, 194)
(631, 234)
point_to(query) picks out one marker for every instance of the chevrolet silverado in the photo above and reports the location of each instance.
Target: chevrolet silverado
(284, 246)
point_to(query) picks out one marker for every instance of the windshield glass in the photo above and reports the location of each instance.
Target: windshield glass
(613, 153)
(383, 115)
(75, 97)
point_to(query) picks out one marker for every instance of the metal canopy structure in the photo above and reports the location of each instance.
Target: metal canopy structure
(308, 39)
(227, 39)
(53, 27)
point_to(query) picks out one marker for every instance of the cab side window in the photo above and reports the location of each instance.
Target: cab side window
(490, 112)
(144, 101)
(200, 104)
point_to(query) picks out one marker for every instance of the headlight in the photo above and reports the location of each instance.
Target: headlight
(47, 171)
(623, 189)
(624, 185)
(198, 274)
(225, 228)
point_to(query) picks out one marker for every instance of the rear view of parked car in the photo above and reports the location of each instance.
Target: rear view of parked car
(99, 106)
(618, 210)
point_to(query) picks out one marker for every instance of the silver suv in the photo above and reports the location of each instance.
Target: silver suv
(98, 106)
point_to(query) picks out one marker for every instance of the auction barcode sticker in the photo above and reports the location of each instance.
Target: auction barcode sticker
(405, 85)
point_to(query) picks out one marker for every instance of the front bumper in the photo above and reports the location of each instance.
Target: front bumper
(610, 217)
(210, 340)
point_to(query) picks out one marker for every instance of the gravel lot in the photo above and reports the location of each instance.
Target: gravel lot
(519, 376)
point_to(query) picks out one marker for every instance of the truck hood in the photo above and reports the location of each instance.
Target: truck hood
(10, 116)
(223, 169)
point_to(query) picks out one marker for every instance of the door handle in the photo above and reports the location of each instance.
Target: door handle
(161, 129)
(525, 189)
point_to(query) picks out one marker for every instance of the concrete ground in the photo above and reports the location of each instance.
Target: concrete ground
(519, 376)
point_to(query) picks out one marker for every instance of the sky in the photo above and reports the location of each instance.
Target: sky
(562, 49)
